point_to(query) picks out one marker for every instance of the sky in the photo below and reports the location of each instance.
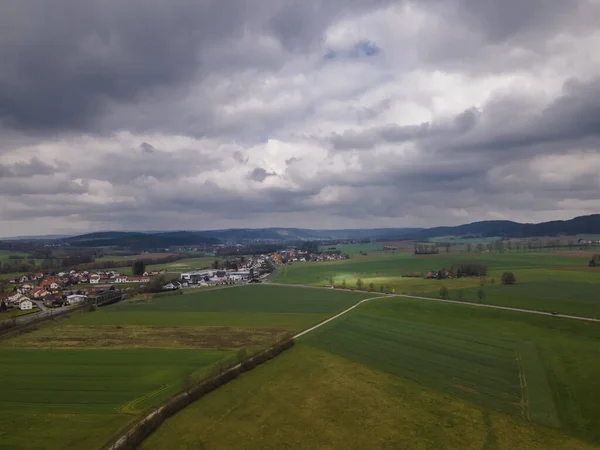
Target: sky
(205, 114)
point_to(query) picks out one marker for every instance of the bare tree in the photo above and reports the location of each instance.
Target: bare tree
(444, 292)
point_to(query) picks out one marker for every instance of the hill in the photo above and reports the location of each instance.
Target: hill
(141, 240)
(579, 225)
(212, 237)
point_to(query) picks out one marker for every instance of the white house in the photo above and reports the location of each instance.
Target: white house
(76, 299)
(95, 279)
(171, 286)
(16, 298)
(25, 304)
(121, 279)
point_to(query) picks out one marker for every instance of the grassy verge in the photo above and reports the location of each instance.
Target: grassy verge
(344, 404)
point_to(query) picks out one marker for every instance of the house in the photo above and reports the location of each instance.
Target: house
(101, 288)
(138, 280)
(25, 305)
(39, 293)
(171, 286)
(16, 298)
(121, 279)
(94, 279)
(76, 299)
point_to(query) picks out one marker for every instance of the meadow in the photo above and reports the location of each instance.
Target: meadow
(76, 383)
(53, 398)
(547, 281)
(400, 373)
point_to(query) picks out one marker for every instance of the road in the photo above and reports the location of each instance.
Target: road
(44, 312)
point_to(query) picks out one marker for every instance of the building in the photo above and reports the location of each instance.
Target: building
(76, 299)
(25, 305)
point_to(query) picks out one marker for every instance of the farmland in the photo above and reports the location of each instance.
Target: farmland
(76, 383)
(548, 281)
(398, 373)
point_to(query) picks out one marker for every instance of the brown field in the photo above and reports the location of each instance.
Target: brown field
(145, 256)
(576, 253)
(130, 336)
(580, 269)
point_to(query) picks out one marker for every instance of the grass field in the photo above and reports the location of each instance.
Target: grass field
(81, 397)
(103, 368)
(566, 297)
(354, 248)
(398, 373)
(549, 281)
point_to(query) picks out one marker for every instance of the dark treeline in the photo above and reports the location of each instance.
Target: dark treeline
(256, 249)
(77, 262)
(425, 249)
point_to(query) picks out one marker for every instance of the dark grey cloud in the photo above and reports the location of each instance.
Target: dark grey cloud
(34, 166)
(125, 83)
(66, 63)
(259, 174)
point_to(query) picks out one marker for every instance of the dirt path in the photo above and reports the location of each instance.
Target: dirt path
(334, 317)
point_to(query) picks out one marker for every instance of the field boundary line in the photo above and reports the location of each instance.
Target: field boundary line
(524, 404)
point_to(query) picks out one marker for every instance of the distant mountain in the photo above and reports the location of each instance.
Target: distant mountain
(210, 237)
(141, 240)
(490, 228)
(163, 239)
(45, 237)
(289, 234)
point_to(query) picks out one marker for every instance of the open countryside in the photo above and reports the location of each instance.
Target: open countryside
(401, 372)
(102, 369)
(371, 365)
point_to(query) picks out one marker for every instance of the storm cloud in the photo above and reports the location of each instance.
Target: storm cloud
(324, 113)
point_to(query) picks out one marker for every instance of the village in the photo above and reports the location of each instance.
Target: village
(68, 288)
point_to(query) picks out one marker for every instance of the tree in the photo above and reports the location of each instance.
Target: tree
(344, 282)
(480, 247)
(381, 288)
(508, 278)
(331, 281)
(480, 295)
(359, 283)
(593, 262)
(242, 354)
(493, 281)
(444, 292)
(3, 306)
(469, 247)
(187, 382)
(215, 264)
(448, 246)
(372, 286)
(139, 267)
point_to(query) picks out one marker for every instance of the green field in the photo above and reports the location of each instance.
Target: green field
(545, 281)
(354, 248)
(79, 398)
(397, 373)
(76, 383)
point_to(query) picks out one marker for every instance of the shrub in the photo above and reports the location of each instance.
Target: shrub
(508, 278)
